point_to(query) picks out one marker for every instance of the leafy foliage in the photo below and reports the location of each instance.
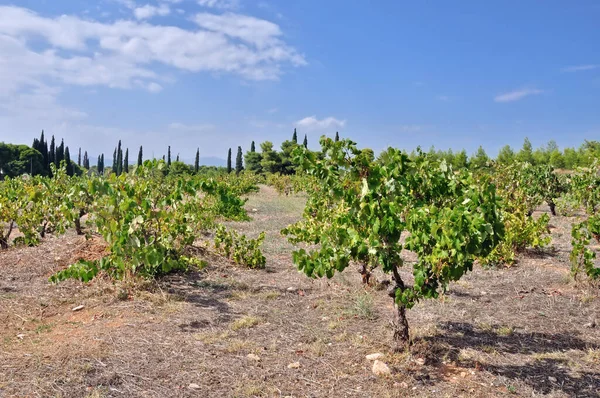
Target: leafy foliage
(360, 208)
(239, 248)
(585, 187)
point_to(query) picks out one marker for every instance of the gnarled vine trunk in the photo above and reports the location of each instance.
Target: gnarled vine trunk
(400, 323)
(552, 206)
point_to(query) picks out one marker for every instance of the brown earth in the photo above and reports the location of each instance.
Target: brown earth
(521, 331)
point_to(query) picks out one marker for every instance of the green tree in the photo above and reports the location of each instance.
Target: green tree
(526, 152)
(126, 161)
(253, 147)
(287, 165)
(60, 153)
(506, 155)
(114, 163)
(79, 158)
(461, 160)
(140, 160)
(480, 159)
(68, 162)
(253, 162)
(229, 168)
(119, 159)
(20, 159)
(239, 166)
(337, 136)
(197, 161)
(169, 156)
(305, 143)
(52, 153)
(295, 137)
(271, 161)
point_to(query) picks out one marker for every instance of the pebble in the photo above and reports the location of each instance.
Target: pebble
(194, 386)
(79, 308)
(380, 368)
(294, 365)
(372, 357)
(253, 357)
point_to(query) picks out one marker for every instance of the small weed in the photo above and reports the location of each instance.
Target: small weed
(318, 348)
(211, 337)
(237, 345)
(363, 307)
(555, 355)
(245, 323)
(593, 356)
(505, 331)
(272, 295)
(45, 328)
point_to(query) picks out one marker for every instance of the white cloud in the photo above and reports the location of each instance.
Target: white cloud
(517, 94)
(312, 123)
(219, 4)
(580, 68)
(149, 11)
(120, 54)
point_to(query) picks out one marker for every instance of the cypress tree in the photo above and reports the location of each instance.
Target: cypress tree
(86, 161)
(119, 159)
(140, 157)
(114, 163)
(295, 137)
(79, 158)
(169, 156)
(60, 153)
(177, 159)
(44, 150)
(99, 165)
(229, 161)
(197, 162)
(337, 136)
(102, 159)
(126, 161)
(252, 147)
(163, 158)
(52, 153)
(68, 162)
(305, 141)
(239, 166)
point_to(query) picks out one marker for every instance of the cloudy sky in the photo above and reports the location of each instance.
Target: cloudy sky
(216, 74)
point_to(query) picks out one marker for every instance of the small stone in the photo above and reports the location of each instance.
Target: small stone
(552, 379)
(79, 308)
(254, 210)
(380, 368)
(291, 289)
(194, 386)
(294, 365)
(420, 361)
(372, 357)
(21, 336)
(253, 357)
(463, 374)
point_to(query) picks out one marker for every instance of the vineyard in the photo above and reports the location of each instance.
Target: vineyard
(463, 282)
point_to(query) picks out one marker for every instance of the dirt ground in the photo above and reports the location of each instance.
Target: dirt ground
(528, 330)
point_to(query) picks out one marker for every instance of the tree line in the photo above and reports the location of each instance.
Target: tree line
(36, 160)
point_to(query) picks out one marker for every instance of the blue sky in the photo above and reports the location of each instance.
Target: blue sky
(216, 74)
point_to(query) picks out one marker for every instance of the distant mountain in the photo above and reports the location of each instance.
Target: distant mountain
(211, 161)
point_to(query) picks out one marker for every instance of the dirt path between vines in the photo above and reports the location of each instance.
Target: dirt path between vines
(523, 331)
